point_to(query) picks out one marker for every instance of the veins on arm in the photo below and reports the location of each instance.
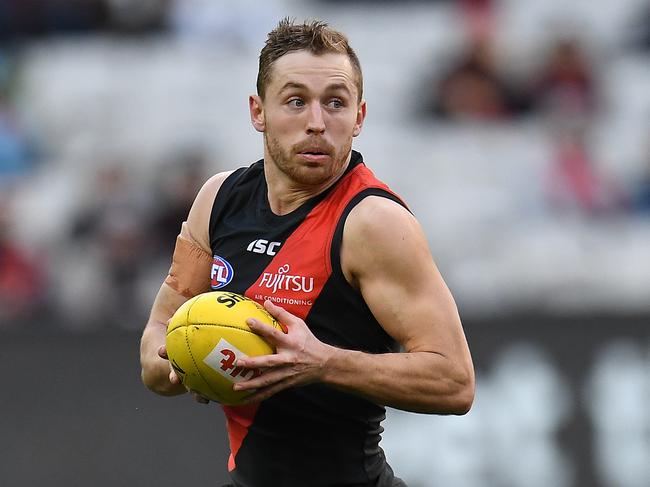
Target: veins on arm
(386, 256)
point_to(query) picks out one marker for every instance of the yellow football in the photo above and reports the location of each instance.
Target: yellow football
(205, 337)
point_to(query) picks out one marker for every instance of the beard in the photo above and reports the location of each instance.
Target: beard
(284, 158)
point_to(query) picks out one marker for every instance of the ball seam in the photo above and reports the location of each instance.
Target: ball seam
(196, 365)
(224, 325)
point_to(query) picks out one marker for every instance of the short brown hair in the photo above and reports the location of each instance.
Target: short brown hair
(313, 36)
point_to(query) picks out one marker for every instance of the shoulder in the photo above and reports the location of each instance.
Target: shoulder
(378, 217)
(199, 216)
(205, 196)
(212, 185)
(380, 233)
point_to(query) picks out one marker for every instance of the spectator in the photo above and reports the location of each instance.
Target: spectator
(22, 19)
(565, 88)
(478, 16)
(16, 154)
(22, 278)
(123, 259)
(179, 183)
(115, 230)
(475, 88)
(574, 181)
(113, 195)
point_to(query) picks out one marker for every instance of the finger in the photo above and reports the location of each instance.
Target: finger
(264, 330)
(279, 313)
(264, 361)
(268, 378)
(162, 352)
(173, 377)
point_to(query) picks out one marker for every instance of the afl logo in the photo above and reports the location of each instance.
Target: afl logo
(221, 273)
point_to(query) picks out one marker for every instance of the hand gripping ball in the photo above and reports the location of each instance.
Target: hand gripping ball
(205, 337)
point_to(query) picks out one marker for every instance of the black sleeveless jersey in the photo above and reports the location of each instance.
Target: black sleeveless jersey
(314, 435)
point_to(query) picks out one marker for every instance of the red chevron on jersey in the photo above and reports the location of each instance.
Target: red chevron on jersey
(298, 272)
(238, 418)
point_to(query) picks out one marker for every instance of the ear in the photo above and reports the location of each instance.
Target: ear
(361, 116)
(256, 108)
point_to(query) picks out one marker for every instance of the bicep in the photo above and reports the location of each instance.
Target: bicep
(189, 274)
(398, 278)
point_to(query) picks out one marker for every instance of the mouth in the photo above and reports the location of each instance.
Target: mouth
(314, 154)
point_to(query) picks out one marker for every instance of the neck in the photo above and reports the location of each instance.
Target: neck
(286, 194)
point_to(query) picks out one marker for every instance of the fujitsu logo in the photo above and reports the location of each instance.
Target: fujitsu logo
(283, 281)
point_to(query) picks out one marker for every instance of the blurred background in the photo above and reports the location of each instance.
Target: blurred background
(517, 130)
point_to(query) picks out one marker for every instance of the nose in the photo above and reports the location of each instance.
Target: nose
(316, 122)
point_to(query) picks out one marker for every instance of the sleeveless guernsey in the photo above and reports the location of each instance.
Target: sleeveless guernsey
(314, 435)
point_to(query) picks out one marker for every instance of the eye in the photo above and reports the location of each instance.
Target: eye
(296, 102)
(335, 103)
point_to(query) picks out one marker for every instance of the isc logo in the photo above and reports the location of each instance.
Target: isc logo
(261, 246)
(222, 360)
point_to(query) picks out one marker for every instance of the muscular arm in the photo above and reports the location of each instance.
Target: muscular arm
(385, 255)
(189, 276)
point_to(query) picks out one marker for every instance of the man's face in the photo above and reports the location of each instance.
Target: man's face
(309, 116)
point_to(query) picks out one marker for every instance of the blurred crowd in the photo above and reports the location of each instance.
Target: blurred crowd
(125, 227)
(25, 19)
(562, 88)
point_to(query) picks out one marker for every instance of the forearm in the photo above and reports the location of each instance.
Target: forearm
(422, 382)
(155, 369)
